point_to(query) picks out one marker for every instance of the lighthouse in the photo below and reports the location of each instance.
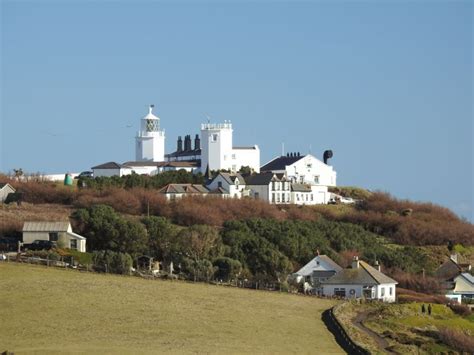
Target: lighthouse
(150, 139)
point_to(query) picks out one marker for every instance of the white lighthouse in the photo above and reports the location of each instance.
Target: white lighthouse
(150, 140)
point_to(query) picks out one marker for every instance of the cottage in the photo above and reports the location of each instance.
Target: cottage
(60, 232)
(111, 169)
(5, 190)
(232, 185)
(319, 269)
(307, 194)
(270, 187)
(361, 281)
(176, 191)
(463, 290)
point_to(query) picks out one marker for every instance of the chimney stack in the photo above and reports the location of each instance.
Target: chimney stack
(355, 262)
(180, 144)
(187, 143)
(327, 155)
(197, 142)
(378, 266)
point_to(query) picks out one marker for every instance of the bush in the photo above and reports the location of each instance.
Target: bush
(460, 309)
(227, 268)
(409, 296)
(457, 339)
(113, 262)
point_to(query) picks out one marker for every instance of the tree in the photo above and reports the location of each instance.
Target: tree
(162, 242)
(227, 268)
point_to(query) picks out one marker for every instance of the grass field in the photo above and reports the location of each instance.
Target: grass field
(46, 310)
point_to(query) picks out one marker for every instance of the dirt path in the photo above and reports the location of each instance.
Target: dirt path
(381, 342)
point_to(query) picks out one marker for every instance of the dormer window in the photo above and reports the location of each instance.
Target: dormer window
(219, 184)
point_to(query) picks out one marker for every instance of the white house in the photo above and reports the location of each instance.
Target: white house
(176, 191)
(463, 288)
(218, 152)
(361, 281)
(304, 169)
(233, 185)
(270, 187)
(60, 232)
(111, 169)
(5, 190)
(307, 194)
(319, 269)
(150, 139)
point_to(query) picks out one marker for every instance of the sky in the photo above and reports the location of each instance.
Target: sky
(388, 86)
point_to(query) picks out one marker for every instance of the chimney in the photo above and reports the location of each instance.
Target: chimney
(317, 252)
(355, 262)
(197, 142)
(180, 144)
(377, 266)
(187, 143)
(327, 155)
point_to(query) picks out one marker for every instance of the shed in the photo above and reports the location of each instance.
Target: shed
(5, 190)
(54, 232)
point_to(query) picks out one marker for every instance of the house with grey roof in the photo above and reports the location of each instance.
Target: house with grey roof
(58, 232)
(5, 190)
(360, 281)
(111, 169)
(176, 191)
(270, 187)
(319, 269)
(228, 185)
(463, 290)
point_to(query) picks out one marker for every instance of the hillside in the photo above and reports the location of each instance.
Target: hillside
(51, 310)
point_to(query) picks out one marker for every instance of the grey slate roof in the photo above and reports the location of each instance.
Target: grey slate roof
(322, 273)
(230, 178)
(280, 163)
(45, 226)
(184, 153)
(260, 179)
(184, 189)
(315, 264)
(109, 165)
(468, 277)
(244, 147)
(364, 275)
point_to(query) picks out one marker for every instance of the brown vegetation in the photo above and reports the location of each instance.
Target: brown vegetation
(409, 296)
(457, 339)
(418, 283)
(460, 309)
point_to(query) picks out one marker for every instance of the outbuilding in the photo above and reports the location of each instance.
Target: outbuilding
(5, 190)
(59, 232)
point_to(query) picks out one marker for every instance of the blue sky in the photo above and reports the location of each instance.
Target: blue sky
(386, 85)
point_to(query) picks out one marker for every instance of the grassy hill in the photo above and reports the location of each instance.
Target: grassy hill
(51, 310)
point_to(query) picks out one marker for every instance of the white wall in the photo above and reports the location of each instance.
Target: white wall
(308, 169)
(216, 146)
(329, 290)
(245, 157)
(319, 195)
(111, 172)
(5, 191)
(150, 146)
(30, 237)
(263, 192)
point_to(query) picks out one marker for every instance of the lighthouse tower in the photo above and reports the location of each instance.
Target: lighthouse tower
(150, 140)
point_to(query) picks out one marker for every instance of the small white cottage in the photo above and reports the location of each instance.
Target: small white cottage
(319, 269)
(361, 281)
(463, 288)
(5, 190)
(55, 232)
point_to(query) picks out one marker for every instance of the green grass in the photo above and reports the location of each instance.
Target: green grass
(47, 310)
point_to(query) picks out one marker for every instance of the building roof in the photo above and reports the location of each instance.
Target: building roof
(243, 148)
(4, 184)
(468, 277)
(183, 189)
(182, 164)
(280, 163)
(109, 165)
(143, 163)
(150, 115)
(184, 153)
(46, 226)
(261, 179)
(219, 191)
(319, 263)
(76, 236)
(230, 178)
(363, 275)
(300, 188)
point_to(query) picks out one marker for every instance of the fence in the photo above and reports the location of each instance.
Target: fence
(341, 335)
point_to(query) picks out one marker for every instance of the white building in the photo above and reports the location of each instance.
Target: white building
(269, 187)
(5, 190)
(173, 192)
(319, 269)
(215, 151)
(111, 169)
(304, 169)
(59, 232)
(307, 194)
(361, 281)
(232, 185)
(150, 140)
(463, 288)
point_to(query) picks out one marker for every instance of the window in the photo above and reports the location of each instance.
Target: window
(214, 137)
(234, 168)
(311, 197)
(340, 292)
(273, 185)
(316, 179)
(273, 198)
(390, 291)
(53, 236)
(257, 195)
(225, 157)
(73, 244)
(297, 197)
(233, 156)
(382, 291)
(219, 184)
(302, 179)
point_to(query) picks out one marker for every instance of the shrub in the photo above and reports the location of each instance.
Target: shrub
(416, 283)
(227, 268)
(409, 296)
(457, 339)
(113, 262)
(460, 309)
